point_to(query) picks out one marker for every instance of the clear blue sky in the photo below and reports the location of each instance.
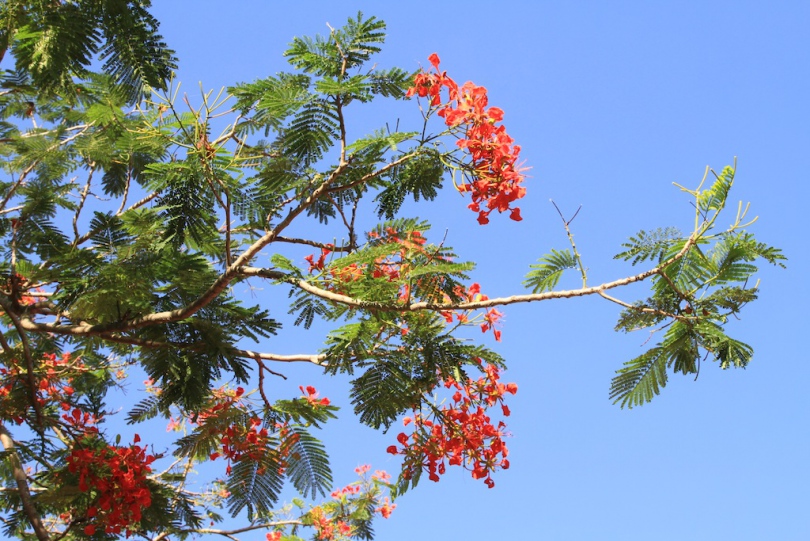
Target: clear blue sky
(612, 102)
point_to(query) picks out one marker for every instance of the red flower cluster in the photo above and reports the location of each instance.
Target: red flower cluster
(239, 442)
(116, 476)
(243, 443)
(491, 317)
(348, 490)
(496, 173)
(319, 264)
(386, 508)
(53, 379)
(80, 421)
(390, 267)
(29, 294)
(252, 442)
(326, 528)
(311, 396)
(461, 434)
(223, 400)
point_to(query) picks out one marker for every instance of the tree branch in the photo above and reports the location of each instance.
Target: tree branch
(219, 285)
(229, 533)
(29, 361)
(27, 324)
(366, 178)
(376, 306)
(639, 308)
(23, 489)
(296, 358)
(33, 164)
(106, 331)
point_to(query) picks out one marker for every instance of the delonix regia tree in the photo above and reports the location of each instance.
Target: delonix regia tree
(126, 225)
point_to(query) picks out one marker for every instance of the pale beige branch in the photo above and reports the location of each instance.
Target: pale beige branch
(471, 305)
(316, 244)
(238, 268)
(644, 309)
(219, 285)
(229, 533)
(12, 209)
(295, 358)
(82, 199)
(24, 491)
(32, 326)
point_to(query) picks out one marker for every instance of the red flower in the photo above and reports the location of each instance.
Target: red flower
(461, 434)
(496, 175)
(386, 509)
(118, 477)
(312, 396)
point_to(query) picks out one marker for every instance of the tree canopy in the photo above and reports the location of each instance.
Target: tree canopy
(127, 222)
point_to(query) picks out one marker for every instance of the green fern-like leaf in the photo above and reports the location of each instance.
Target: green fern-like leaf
(108, 232)
(734, 251)
(356, 87)
(688, 274)
(643, 377)
(728, 351)
(146, 409)
(312, 131)
(714, 198)
(281, 262)
(640, 380)
(382, 393)
(420, 177)
(254, 486)
(307, 307)
(360, 38)
(272, 99)
(301, 412)
(545, 275)
(730, 298)
(135, 54)
(56, 44)
(649, 245)
(308, 468)
(391, 83)
(378, 142)
(345, 49)
(645, 314)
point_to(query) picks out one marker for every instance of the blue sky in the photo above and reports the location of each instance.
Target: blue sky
(612, 103)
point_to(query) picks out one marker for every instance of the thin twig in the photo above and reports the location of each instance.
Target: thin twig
(577, 257)
(369, 176)
(467, 305)
(644, 309)
(84, 238)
